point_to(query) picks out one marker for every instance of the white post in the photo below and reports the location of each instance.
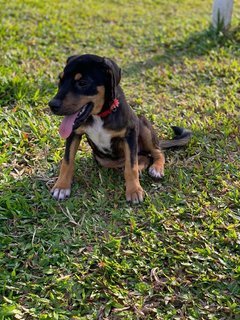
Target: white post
(222, 14)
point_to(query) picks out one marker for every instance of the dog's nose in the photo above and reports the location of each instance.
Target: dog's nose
(55, 104)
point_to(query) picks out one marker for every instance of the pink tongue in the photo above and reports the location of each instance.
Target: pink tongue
(66, 126)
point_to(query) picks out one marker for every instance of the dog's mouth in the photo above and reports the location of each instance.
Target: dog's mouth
(74, 120)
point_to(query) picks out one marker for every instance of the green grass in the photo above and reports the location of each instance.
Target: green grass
(176, 256)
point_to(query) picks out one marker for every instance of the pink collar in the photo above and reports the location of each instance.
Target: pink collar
(112, 108)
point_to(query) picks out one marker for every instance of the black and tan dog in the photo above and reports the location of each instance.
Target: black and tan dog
(93, 103)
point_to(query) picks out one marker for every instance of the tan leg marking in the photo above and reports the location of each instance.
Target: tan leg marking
(143, 163)
(134, 191)
(157, 168)
(62, 187)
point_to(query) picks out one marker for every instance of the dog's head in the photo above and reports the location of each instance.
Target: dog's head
(87, 83)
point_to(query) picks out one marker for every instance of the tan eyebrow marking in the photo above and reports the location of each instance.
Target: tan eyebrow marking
(78, 76)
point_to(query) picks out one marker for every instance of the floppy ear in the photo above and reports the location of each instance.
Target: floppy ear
(113, 78)
(71, 58)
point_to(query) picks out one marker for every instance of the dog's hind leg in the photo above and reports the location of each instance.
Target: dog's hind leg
(156, 170)
(143, 163)
(148, 142)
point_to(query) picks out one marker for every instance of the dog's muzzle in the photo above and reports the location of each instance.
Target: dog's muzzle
(55, 105)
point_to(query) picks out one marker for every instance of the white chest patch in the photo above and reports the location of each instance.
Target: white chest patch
(99, 136)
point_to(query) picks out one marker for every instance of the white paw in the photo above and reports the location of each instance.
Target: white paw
(61, 194)
(135, 196)
(155, 173)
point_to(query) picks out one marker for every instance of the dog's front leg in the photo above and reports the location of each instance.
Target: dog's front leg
(134, 191)
(62, 187)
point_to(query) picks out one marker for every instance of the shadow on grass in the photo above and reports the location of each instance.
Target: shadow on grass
(95, 191)
(197, 44)
(24, 198)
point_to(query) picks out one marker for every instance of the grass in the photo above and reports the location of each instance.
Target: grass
(176, 256)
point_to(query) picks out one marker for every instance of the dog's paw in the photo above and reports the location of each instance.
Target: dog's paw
(156, 172)
(60, 193)
(135, 195)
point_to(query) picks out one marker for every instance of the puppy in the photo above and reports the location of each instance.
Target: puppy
(93, 104)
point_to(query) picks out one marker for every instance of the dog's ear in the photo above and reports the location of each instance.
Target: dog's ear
(113, 77)
(71, 58)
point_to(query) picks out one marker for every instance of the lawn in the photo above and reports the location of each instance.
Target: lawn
(93, 256)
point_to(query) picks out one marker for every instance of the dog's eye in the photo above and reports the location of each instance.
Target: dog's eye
(81, 83)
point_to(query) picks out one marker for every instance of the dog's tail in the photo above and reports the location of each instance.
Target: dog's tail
(181, 138)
